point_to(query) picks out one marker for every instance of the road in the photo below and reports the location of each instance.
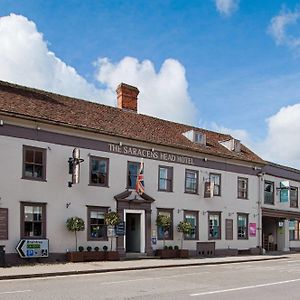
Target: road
(277, 279)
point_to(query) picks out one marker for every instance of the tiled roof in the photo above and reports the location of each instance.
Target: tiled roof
(49, 107)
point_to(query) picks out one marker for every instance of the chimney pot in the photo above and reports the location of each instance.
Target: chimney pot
(127, 97)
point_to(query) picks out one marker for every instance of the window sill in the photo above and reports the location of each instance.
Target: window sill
(191, 193)
(98, 185)
(242, 198)
(97, 239)
(165, 191)
(34, 179)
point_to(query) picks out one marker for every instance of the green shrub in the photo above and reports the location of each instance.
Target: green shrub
(97, 248)
(89, 248)
(80, 248)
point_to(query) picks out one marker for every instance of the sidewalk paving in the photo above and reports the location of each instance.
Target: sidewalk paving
(60, 269)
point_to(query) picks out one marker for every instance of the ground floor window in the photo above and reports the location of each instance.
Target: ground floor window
(96, 226)
(33, 220)
(192, 218)
(169, 233)
(242, 226)
(214, 225)
(294, 229)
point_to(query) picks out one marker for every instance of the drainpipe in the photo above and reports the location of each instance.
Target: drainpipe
(260, 197)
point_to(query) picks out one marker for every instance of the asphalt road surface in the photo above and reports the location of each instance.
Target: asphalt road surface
(271, 280)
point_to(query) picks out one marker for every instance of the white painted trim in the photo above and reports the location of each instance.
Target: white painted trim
(142, 227)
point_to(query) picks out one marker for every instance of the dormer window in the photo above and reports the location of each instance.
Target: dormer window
(232, 145)
(196, 137)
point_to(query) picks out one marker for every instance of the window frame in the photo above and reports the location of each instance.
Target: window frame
(246, 227)
(99, 158)
(43, 205)
(168, 210)
(219, 214)
(44, 162)
(220, 183)
(91, 208)
(138, 164)
(196, 214)
(297, 199)
(169, 179)
(296, 231)
(238, 188)
(197, 182)
(273, 193)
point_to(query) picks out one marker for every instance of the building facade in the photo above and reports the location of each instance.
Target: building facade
(206, 178)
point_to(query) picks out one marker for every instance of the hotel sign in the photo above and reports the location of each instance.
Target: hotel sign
(151, 154)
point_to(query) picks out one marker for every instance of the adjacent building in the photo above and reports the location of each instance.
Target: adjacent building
(227, 192)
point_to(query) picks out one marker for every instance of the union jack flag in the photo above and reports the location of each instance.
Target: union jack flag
(140, 187)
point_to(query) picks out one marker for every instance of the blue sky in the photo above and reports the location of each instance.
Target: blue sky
(234, 69)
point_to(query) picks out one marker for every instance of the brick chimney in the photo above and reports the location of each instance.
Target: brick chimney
(127, 97)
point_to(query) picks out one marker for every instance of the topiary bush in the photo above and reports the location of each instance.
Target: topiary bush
(75, 224)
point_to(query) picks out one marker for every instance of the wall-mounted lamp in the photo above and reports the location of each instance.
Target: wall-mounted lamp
(230, 214)
(68, 204)
(179, 210)
(49, 148)
(205, 159)
(1, 123)
(152, 149)
(204, 212)
(120, 144)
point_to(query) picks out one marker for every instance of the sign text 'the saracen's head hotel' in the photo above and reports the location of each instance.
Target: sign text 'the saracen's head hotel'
(151, 154)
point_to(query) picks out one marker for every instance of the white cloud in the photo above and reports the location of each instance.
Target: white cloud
(227, 7)
(279, 26)
(283, 140)
(163, 94)
(25, 59)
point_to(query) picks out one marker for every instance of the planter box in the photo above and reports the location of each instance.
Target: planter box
(75, 256)
(85, 256)
(183, 253)
(93, 255)
(112, 255)
(166, 253)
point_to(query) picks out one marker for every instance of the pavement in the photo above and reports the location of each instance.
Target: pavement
(63, 269)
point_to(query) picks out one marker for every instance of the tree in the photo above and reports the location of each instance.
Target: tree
(185, 228)
(112, 219)
(75, 224)
(164, 221)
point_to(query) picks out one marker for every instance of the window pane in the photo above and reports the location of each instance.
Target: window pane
(38, 171)
(28, 170)
(37, 231)
(99, 171)
(29, 156)
(132, 174)
(38, 157)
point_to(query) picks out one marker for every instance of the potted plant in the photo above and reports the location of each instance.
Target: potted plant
(184, 227)
(164, 222)
(112, 219)
(75, 224)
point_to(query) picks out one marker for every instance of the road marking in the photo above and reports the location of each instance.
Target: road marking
(152, 278)
(15, 292)
(244, 288)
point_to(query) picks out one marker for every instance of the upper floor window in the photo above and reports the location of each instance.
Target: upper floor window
(132, 172)
(165, 181)
(191, 181)
(99, 171)
(294, 196)
(192, 217)
(34, 163)
(216, 179)
(96, 225)
(269, 192)
(168, 234)
(33, 220)
(242, 188)
(242, 226)
(214, 226)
